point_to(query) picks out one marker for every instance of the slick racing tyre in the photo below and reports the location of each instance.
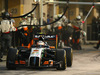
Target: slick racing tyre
(61, 57)
(10, 62)
(69, 54)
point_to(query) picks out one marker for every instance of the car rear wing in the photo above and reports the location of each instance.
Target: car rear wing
(50, 39)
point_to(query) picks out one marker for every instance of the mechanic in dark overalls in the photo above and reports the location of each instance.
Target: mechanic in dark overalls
(6, 27)
(25, 37)
(98, 28)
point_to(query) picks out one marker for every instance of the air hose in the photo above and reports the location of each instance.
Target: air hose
(26, 13)
(67, 2)
(53, 21)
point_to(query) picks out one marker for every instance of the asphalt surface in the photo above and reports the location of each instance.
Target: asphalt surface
(85, 62)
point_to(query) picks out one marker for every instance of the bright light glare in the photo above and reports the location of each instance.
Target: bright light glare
(37, 0)
(51, 0)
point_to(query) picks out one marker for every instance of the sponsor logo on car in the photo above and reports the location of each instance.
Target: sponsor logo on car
(35, 52)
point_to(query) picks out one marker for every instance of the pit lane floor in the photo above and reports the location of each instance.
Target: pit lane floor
(85, 62)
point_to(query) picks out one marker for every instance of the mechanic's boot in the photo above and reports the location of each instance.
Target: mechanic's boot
(79, 47)
(74, 47)
(97, 47)
(1, 60)
(1, 56)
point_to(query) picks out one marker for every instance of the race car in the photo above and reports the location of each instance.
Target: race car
(40, 54)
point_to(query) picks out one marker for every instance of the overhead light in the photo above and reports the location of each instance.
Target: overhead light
(36, 0)
(51, 0)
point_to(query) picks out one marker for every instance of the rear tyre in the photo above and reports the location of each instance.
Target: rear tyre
(69, 53)
(10, 62)
(61, 57)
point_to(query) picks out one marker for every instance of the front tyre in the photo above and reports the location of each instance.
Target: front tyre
(61, 57)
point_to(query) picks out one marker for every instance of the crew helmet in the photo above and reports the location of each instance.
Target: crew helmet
(5, 15)
(59, 15)
(29, 15)
(78, 17)
(84, 33)
(55, 17)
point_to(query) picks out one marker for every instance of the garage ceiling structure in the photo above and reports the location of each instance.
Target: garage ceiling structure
(83, 2)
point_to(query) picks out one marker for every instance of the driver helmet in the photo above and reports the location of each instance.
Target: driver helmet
(78, 17)
(41, 43)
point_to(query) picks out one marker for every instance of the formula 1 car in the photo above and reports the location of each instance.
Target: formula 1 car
(40, 54)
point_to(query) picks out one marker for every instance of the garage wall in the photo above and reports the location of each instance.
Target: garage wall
(14, 8)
